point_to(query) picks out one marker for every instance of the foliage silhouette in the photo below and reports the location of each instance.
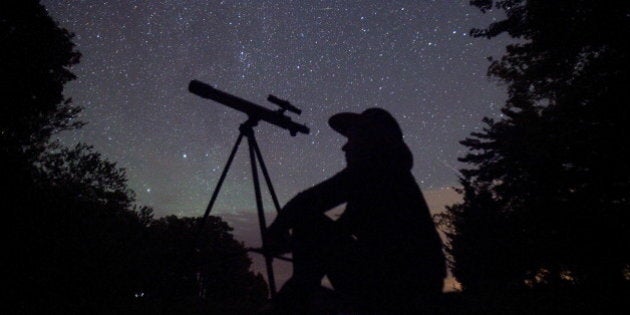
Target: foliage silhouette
(546, 196)
(77, 243)
(35, 64)
(219, 273)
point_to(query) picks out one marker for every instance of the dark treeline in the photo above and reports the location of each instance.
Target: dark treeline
(77, 243)
(546, 210)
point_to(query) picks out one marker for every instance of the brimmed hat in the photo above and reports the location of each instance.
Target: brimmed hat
(373, 123)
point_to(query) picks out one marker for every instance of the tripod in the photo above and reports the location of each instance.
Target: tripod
(246, 130)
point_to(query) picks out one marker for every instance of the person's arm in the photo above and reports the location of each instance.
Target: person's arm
(317, 199)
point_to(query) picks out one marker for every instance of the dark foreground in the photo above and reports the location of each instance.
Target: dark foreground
(506, 302)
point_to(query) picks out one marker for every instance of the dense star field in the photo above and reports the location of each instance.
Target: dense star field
(413, 58)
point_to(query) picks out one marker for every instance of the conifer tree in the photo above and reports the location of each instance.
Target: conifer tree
(547, 190)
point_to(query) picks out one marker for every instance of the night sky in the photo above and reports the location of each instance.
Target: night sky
(413, 58)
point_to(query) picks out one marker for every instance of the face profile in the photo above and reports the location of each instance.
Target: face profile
(354, 151)
(372, 135)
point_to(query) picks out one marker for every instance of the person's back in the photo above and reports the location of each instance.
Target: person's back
(389, 217)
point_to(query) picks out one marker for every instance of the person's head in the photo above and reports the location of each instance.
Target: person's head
(374, 136)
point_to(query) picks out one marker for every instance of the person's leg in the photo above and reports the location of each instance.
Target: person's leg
(313, 242)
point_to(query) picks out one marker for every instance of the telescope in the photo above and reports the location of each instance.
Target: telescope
(255, 112)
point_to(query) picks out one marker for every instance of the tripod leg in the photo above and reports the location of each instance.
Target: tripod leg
(216, 190)
(261, 214)
(266, 175)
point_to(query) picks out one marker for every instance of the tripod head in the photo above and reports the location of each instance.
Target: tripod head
(254, 111)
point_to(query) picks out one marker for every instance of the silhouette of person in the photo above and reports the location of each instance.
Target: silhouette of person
(383, 252)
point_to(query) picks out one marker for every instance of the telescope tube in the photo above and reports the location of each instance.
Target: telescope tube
(252, 110)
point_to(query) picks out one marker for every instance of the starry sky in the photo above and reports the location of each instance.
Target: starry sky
(413, 58)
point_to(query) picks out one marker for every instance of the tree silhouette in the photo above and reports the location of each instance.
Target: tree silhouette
(218, 272)
(35, 64)
(77, 243)
(547, 195)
